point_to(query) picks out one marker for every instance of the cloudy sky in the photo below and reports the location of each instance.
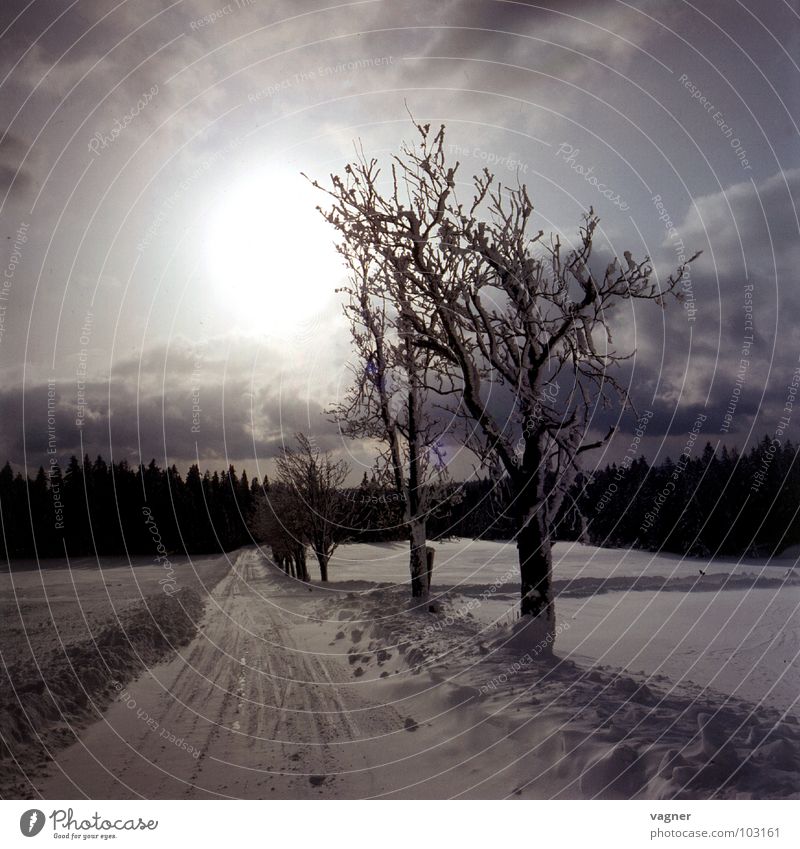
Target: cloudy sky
(161, 252)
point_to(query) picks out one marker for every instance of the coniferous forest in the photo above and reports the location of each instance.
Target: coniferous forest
(714, 503)
(93, 507)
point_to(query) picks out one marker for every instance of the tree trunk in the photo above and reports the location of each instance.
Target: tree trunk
(536, 572)
(415, 507)
(534, 546)
(322, 559)
(301, 567)
(419, 559)
(430, 552)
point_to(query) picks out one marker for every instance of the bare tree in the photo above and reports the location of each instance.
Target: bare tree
(500, 307)
(389, 399)
(314, 481)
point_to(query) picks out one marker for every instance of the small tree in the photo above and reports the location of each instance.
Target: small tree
(500, 308)
(314, 481)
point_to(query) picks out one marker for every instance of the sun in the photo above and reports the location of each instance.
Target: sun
(270, 254)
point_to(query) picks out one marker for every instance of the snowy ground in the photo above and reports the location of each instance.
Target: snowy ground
(735, 628)
(64, 602)
(350, 690)
(466, 561)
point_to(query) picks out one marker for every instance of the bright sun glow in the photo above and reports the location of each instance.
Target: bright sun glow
(271, 256)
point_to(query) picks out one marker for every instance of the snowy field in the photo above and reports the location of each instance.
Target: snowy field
(45, 609)
(707, 630)
(466, 561)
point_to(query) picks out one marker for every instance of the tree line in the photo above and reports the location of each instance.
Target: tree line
(710, 509)
(93, 507)
(719, 502)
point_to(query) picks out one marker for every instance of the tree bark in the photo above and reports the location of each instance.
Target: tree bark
(419, 558)
(301, 566)
(430, 552)
(536, 572)
(323, 565)
(534, 544)
(415, 497)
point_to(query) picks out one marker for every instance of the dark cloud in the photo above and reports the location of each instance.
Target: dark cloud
(720, 363)
(258, 70)
(218, 423)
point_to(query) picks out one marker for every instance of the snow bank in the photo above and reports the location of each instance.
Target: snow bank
(734, 628)
(40, 699)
